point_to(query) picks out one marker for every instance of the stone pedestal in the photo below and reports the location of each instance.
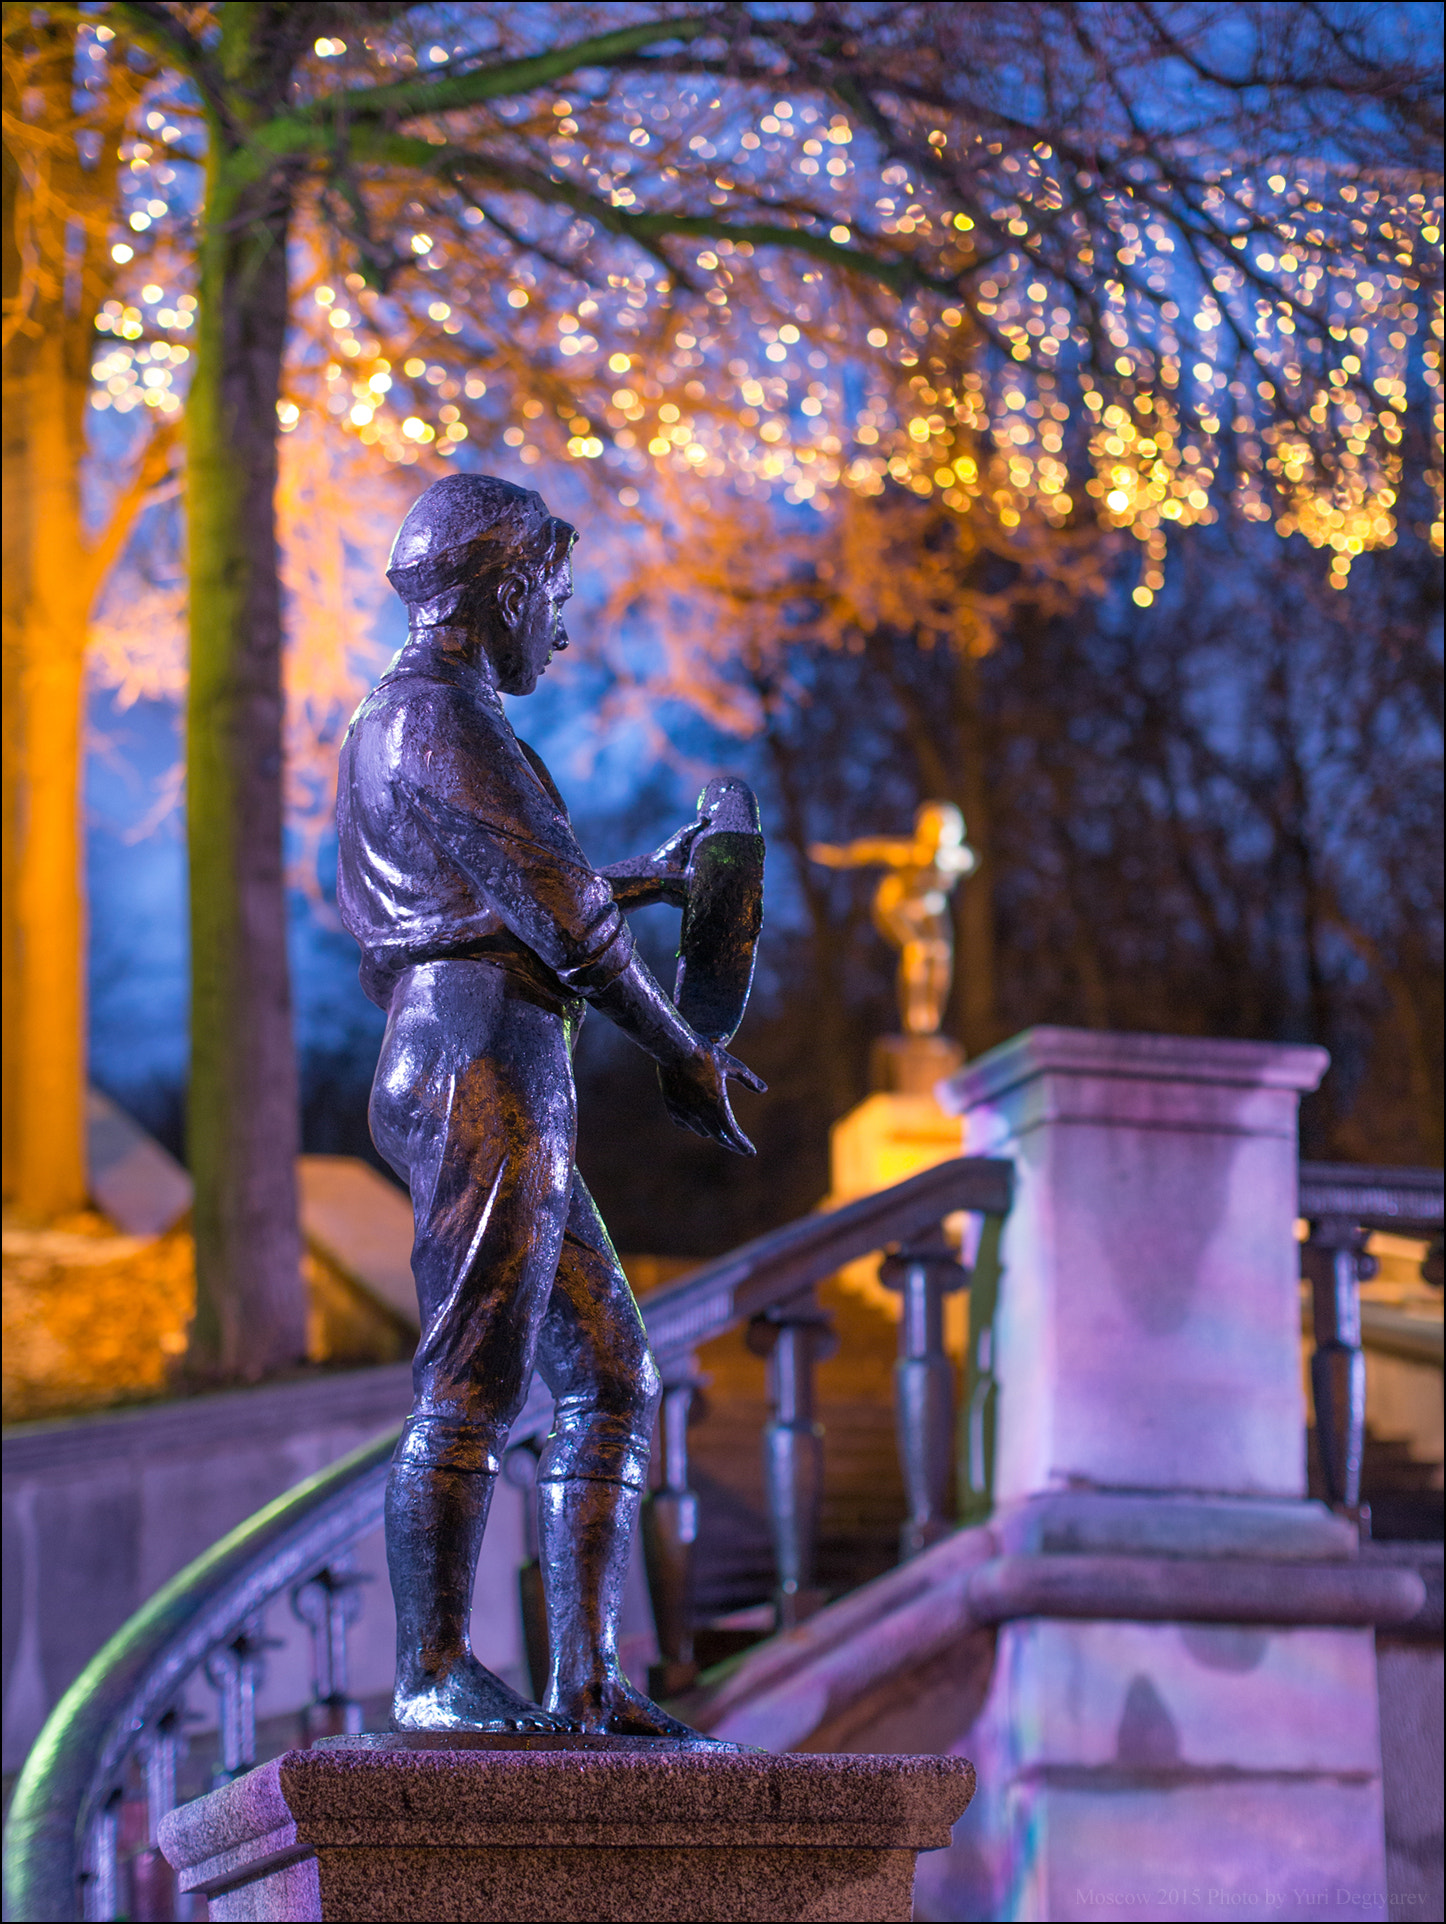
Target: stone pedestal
(913, 1065)
(1158, 1771)
(892, 1135)
(1148, 1330)
(595, 1831)
(1146, 1353)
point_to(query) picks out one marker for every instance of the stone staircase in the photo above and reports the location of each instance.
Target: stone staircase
(863, 1504)
(1211, 1657)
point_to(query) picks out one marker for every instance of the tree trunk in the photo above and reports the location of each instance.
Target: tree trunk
(49, 1150)
(250, 1308)
(830, 1040)
(52, 571)
(15, 598)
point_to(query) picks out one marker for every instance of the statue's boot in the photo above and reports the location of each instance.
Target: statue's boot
(434, 1521)
(585, 1535)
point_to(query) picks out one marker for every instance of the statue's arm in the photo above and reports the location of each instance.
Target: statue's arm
(828, 855)
(659, 877)
(636, 883)
(505, 830)
(871, 852)
(494, 810)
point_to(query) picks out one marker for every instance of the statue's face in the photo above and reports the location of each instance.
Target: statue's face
(529, 629)
(941, 824)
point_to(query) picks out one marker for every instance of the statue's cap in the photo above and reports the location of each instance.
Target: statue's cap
(468, 524)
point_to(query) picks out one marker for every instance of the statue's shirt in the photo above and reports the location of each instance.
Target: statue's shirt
(453, 841)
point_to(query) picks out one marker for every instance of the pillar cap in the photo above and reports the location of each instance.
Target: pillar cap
(1132, 1058)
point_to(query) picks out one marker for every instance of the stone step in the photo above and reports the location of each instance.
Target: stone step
(351, 1215)
(138, 1184)
(362, 1224)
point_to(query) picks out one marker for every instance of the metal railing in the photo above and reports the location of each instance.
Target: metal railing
(1343, 1204)
(112, 1741)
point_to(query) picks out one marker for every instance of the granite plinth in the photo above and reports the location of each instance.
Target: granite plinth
(510, 1740)
(377, 1831)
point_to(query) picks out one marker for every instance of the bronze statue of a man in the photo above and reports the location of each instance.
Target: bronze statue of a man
(485, 933)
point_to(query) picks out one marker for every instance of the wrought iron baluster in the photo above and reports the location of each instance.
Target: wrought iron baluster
(154, 1898)
(100, 1891)
(670, 1530)
(924, 1272)
(1335, 1264)
(234, 1669)
(519, 1466)
(794, 1337)
(160, 1750)
(328, 1604)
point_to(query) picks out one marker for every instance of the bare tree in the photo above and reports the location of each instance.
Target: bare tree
(1220, 820)
(439, 124)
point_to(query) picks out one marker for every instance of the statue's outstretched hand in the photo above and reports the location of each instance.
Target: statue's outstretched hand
(659, 877)
(695, 1092)
(671, 858)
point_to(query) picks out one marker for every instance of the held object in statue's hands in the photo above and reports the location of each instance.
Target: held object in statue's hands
(724, 911)
(713, 869)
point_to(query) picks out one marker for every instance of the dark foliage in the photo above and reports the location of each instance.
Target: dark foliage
(1220, 818)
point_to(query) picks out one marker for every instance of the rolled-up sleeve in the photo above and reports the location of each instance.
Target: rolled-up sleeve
(506, 834)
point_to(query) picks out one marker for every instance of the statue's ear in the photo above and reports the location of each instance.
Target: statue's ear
(512, 592)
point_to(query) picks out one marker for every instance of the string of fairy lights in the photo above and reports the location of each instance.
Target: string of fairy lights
(1267, 336)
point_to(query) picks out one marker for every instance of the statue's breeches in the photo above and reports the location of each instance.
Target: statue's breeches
(473, 1106)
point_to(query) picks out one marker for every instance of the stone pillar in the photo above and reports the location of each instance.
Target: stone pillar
(1190, 1771)
(1148, 1330)
(586, 1828)
(1146, 1350)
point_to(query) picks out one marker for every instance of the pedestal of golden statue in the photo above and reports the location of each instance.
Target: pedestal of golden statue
(892, 1134)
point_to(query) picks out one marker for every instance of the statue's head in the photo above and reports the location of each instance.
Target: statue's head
(939, 824)
(485, 556)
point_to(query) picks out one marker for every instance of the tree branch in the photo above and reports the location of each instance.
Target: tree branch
(902, 276)
(445, 91)
(150, 470)
(150, 25)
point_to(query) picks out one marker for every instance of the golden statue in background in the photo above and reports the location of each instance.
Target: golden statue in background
(911, 904)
